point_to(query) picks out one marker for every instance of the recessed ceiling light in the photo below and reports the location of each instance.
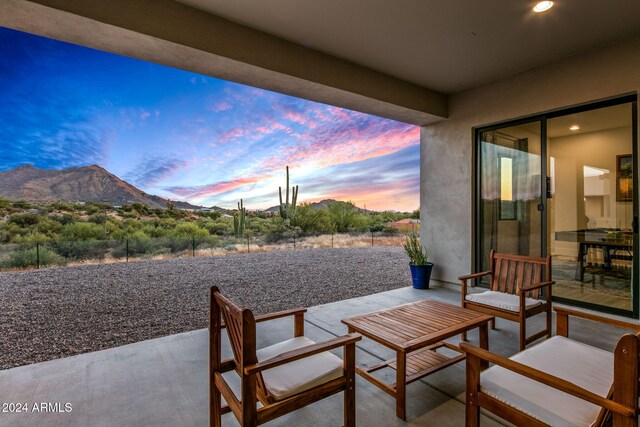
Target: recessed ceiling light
(574, 127)
(541, 6)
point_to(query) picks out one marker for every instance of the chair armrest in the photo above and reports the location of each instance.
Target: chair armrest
(474, 275)
(301, 353)
(564, 313)
(535, 286)
(547, 379)
(279, 314)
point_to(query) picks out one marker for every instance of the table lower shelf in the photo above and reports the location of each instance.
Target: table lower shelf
(419, 363)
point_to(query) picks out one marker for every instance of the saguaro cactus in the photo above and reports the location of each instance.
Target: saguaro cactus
(239, 220)
(288, 210)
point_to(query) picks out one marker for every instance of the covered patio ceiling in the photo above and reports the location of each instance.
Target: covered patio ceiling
(370, 56)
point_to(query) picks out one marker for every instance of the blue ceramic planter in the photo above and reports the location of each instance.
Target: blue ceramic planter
(420, 275)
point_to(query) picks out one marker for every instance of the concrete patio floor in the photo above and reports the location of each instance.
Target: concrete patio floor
(163, 382)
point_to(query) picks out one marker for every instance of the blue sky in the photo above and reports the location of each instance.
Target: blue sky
(189, 137)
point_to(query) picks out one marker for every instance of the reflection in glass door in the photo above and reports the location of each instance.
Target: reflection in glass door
(591, 209)
(510, 191)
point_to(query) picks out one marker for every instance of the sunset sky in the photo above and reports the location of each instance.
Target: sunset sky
(185, 136)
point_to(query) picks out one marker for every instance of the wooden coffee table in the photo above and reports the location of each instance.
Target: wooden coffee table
(415, 331)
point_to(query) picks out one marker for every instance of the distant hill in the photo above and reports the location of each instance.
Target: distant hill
(317, 205)
(85, 184)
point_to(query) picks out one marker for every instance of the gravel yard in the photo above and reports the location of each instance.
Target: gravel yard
(58, 312)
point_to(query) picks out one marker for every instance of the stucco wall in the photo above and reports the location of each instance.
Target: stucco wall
(446, 147)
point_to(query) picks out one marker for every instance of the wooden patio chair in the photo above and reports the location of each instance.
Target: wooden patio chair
(282, 377)
(516, 285)
(559, 381)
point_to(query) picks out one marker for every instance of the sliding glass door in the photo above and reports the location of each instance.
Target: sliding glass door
(564, 184)
(591, 211)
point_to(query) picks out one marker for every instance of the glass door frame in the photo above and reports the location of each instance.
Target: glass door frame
(477, 219)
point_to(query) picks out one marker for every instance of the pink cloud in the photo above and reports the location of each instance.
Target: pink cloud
(378, 197)
(295, 117)
(222, 106)
(349, 144)
(232, 134)
(214, 189)
(271, 127)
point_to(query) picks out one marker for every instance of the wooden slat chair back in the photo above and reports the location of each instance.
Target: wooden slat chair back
(513, 272)
(619, 408)
(241, 331)
(240, 325)
(526, 278)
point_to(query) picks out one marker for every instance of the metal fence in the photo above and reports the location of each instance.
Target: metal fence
(64, 252)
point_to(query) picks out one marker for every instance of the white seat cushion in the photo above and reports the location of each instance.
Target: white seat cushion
(580, 364)
(295, 377)
(501, 300)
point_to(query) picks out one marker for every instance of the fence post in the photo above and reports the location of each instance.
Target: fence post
(332, 240)
(247, 244)
(38, 256)
(372, 238)
(127, 249)
(193, 245)
(294, 240)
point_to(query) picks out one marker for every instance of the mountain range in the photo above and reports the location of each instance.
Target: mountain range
(318, 205)
(83, 184)
(89, 184)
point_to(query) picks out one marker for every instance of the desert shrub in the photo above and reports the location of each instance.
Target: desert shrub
(5, 236)
(189, 229)
(259, 225)
(12, 231)
(221, 226)
(24, 220)
(29, 258)
(48, 226)
(64, 206)
(155, 231)
(64, 219)
(177, 244)
(374, 228)
(211, 215)
(82, 231)
(98, 218)
(90, 209)
(344, 216)
(31, 238)
(132, 225)
(312, 220)
(81, 249)
(140, 208)
(207, 242)
(21, 204)
(139, 244)
(278, 237)
(144, 246)
(391, 230)
(118, 235)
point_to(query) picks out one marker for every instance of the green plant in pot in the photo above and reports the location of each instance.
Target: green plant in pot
(418, 261)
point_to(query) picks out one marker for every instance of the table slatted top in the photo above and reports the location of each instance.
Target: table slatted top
(416, 325)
